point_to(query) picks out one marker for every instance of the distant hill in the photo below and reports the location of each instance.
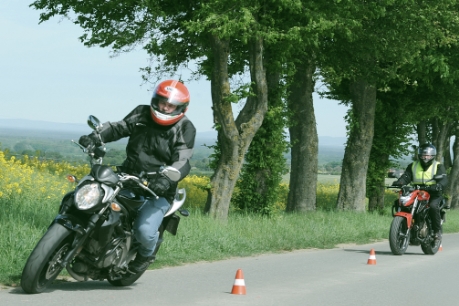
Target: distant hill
(48, 136)
(23, 124)
(36, 128)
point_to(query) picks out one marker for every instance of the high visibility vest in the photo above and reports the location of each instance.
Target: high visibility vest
(423, 177)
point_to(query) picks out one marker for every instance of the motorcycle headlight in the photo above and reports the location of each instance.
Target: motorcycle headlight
(88, 196)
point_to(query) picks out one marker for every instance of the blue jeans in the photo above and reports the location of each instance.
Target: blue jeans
(146, 225)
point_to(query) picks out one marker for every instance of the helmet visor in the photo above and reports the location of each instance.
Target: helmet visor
(427, 150)
(167, 106)
(426, 158)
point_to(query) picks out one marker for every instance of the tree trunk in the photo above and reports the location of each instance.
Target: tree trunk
(233, 138)
(447, 159)
(352, 191)
(265, 163)
(421, 129)
(304, 141)
(453, 177)
(388, 131)
(440, 133)
(376, 174)
(376, 196)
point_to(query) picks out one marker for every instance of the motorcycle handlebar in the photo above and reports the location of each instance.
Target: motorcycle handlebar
(416, 187)
(139, 181)
(96, 153)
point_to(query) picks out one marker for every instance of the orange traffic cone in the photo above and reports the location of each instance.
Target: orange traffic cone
(372, 258)
(441, 248)
(239, 283)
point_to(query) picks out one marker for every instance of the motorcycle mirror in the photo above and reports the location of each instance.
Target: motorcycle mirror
(172, 173)
(94, 123)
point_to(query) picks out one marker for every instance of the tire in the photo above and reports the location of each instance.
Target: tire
(126, 280)
(42, 267)
(431, 247)
(397, 239)
(129, 279)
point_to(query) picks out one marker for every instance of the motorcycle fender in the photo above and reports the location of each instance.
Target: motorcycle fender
(70, 222)
(66, 202)
(171, 223)
(405, 215)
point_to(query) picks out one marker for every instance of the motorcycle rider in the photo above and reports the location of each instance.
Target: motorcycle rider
(421, 172)
(159, 135)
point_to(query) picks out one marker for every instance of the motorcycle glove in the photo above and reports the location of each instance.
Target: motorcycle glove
(436, 187)
(86, 141)
(160, 186)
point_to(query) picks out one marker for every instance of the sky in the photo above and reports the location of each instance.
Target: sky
(47, 74)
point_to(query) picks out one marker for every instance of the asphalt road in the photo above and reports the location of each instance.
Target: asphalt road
(338, 276)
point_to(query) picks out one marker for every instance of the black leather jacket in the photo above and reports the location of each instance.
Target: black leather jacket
(152, 145)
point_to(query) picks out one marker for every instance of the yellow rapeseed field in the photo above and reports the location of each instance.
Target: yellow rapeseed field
(30, 177)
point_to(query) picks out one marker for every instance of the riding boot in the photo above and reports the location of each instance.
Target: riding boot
(437, 235)
(139, 264)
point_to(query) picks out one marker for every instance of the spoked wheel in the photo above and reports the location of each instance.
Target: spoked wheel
(43, 265)
(398, 237)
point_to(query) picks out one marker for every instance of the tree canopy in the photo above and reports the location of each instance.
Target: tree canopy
(372, 56)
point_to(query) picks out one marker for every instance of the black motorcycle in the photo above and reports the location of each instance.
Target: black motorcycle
(92, 235)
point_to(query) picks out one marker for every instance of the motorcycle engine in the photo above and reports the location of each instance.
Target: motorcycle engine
(115, 257)
(109, 255)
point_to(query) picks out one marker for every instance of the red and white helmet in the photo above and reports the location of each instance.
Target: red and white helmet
(173, 92)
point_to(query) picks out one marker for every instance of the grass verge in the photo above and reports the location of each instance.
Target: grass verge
(203, 239)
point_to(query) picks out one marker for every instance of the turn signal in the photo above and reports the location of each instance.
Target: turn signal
(71, 178)
(115, 207)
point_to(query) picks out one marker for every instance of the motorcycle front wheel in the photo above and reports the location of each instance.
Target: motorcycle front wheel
(398, 239)
(43, 265)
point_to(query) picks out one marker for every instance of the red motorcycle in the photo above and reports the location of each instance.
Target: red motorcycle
(412, 224)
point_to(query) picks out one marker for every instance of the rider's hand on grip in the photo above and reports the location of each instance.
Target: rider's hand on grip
(397, 184)
(86, 141)
(160, 185)
(98, 152)
(436, 187)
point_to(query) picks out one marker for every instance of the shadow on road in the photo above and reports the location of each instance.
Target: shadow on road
(384, 253)
(76, 286)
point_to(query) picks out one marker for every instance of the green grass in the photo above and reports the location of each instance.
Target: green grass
(25, 216)
(29, 201)
(203, 239)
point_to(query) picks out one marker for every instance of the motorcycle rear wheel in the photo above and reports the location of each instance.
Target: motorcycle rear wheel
(129, 279)
(398, 240)
(431, 247)
(43, 265)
